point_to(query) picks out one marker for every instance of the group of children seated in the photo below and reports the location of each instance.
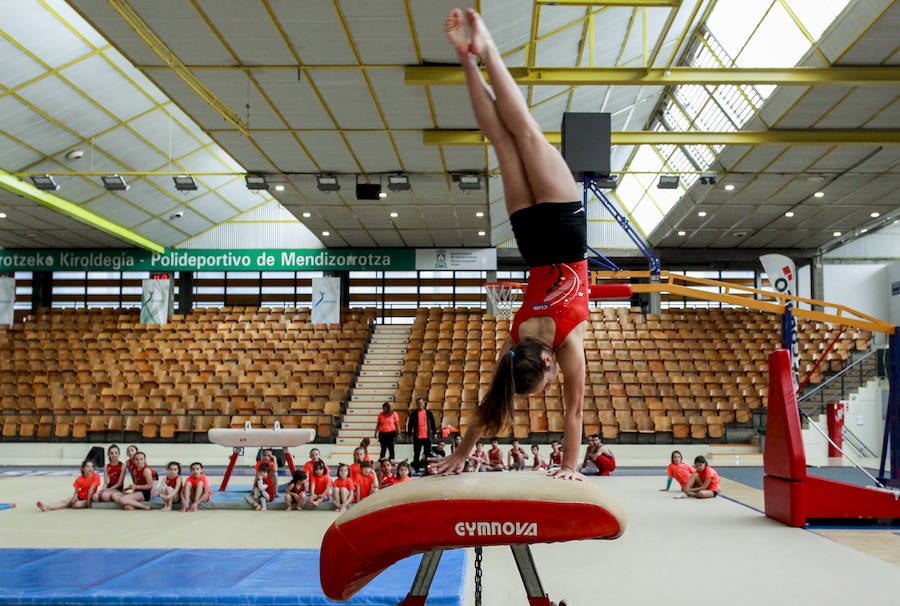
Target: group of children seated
(312, 486)
(173, 488)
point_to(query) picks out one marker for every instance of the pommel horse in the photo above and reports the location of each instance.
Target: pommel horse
(467, 510)
(277, 437)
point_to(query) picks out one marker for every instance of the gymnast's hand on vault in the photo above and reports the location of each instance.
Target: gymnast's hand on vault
(565, 473)
(448, 465)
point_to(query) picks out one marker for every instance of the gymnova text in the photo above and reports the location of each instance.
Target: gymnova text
(496, 529)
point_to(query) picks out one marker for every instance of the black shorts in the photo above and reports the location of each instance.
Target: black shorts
(551, 232)
(147, 494)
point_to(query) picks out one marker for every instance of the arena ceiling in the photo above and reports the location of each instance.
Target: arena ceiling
(293, 89)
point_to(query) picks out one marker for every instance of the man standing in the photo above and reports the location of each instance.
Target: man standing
(420, 426)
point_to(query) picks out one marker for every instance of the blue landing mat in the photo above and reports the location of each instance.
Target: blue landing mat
(201, 576)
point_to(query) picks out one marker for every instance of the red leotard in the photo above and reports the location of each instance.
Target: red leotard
(114, 472)
(556, 458)
(558, 291)
(388, 480)
(172, 482)
(495, 456)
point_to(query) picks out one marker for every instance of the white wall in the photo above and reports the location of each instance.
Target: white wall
(863, 287)
(863, 415)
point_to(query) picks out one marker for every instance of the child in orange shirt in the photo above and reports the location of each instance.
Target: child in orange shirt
(344, 489)
(367, 482)
(196, 489)
(704, 483)
(678, 470)
(85, 485)
(319, 486)
(314, 455)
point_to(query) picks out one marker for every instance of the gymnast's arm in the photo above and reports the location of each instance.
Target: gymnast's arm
(457, 459)
(570, 357)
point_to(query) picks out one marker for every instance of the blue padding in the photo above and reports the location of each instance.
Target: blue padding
(202, 576)
(6, 506)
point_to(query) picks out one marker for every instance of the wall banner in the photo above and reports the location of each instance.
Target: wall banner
(330, 259)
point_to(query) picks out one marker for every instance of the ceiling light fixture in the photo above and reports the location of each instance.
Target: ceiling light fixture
(279, 187)
(382, 194)
(394, 215)
(2, 215)
(479, 214)
(875, 215)
(256, 182)
(482, 233)
(326, 233)
(327, 183)
(114, 183)
(682, 233)
(398, 182)
(75, 154)
(708, 179)
(185, 183)
(667, 182)
(307, 215)
(729, 187)
(819, 194)
(44, 182)
(469, 182)
(367, 191)
(702, 213)
(836, 234)
(789, 214)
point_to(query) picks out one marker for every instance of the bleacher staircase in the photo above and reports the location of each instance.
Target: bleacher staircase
(377, 383)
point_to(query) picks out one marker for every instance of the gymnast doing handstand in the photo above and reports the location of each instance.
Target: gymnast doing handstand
(548, 220)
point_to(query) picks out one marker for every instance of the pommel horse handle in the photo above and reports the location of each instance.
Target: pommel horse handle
(467, 510)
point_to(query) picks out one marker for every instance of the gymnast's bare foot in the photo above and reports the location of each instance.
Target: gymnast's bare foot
(565, 473)
(455, 29)
(41, 506)
(481, 37)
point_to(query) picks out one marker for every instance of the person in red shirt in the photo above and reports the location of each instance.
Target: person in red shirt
(296, 490)
(170, 485)
(343, 489)
(314, 455)
(495, 456)
(479, 458)
(537, 461)
(703, 483)
(386, 475)
(141, 490)
(420, 426)
(516, 457)
(319, 486)
(113, 476)
(196, 489)
(555, 454)
(404, 473)
(86, 484)
(678, 470)
(386, 429)
(367, 482)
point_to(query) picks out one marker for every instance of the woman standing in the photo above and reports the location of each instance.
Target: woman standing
(386, 430)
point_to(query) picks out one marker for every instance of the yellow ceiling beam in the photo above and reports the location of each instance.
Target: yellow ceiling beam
(156, 44)
(614, 3)
(769, 137)
(61, 205)
(672, 76)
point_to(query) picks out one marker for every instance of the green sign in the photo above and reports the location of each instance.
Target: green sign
(301, 259)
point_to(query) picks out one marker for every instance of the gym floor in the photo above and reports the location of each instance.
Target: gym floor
(674, 551)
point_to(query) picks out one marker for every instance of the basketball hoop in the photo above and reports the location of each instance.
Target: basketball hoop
(503, 296)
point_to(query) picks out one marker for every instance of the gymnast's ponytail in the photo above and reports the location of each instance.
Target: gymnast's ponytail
(520, 370)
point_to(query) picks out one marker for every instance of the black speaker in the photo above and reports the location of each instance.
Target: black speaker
(368, 191)
(98, 456)
(586, 143)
